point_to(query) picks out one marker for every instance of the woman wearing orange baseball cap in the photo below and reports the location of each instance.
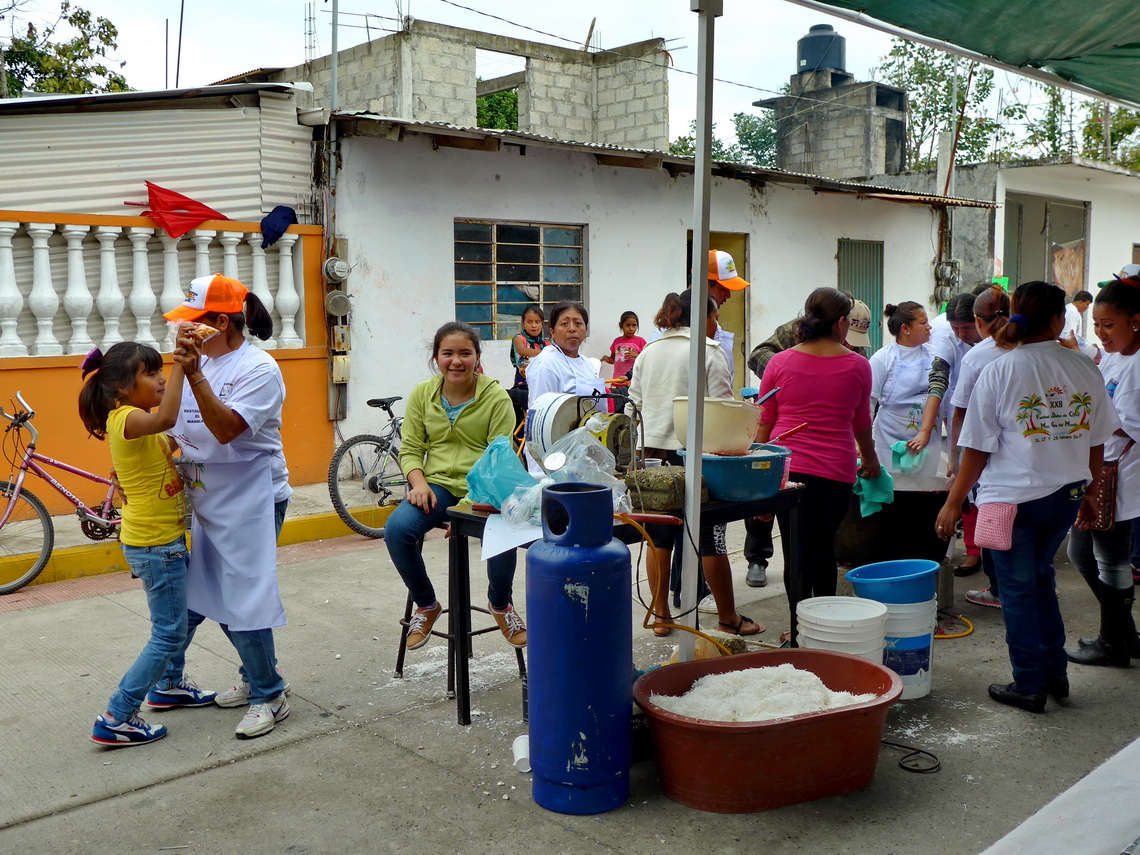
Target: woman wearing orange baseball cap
(229, 431)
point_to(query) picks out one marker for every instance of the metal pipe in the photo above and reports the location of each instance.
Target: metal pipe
(709, 11)
(938, 44)
(334, 103)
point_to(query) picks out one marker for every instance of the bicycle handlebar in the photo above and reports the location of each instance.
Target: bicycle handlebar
(23, 418)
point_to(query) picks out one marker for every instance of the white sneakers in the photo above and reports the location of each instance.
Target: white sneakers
(261, 718)
(238, 696)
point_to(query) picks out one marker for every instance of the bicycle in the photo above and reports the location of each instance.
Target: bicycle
(365, 474)
(27, 534)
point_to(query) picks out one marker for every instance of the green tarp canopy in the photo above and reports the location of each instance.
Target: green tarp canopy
(1094, 45)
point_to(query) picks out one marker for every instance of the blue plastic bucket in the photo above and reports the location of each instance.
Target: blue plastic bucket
(759, 474)
(906, 581)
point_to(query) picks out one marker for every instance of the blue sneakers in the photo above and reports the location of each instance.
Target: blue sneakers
(133, 731)
(167, 696)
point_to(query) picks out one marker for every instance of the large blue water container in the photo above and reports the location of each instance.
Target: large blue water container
(580, 650)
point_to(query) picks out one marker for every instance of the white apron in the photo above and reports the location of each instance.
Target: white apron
(232, 576)
(899, 416)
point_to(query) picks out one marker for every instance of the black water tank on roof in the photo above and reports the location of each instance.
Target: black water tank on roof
(822, 47)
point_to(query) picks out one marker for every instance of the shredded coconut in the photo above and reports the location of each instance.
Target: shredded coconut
(757, 694)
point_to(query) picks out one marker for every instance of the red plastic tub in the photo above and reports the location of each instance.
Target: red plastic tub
(743, 767)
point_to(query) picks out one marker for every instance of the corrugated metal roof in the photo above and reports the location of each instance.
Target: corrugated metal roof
(52, 103)
(742, 171)
(286, 156)
(90, 163)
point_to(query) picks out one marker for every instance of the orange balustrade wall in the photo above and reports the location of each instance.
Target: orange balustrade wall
(51, 385)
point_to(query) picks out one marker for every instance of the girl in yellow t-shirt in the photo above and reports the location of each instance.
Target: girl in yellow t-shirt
(128, 402)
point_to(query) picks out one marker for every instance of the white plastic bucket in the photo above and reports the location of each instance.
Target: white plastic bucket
(872, 651)
(909, 645)
(844, 624)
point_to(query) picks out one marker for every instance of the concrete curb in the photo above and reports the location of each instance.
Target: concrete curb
(96, 559)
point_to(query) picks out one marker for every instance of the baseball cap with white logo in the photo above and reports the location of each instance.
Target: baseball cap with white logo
(722, 269)
(207, 294)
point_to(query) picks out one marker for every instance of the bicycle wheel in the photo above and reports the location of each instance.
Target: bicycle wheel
(26, 540)
(364, 477)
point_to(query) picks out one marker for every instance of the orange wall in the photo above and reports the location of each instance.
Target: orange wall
(51, 385)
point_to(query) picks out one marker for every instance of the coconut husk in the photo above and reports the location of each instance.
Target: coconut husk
(661, 488)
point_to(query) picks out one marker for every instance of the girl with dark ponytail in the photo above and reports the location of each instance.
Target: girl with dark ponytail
(1032, 441)
(1105, 557)
(991, 313)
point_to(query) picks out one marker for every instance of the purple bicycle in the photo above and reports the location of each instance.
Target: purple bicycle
(27, 535)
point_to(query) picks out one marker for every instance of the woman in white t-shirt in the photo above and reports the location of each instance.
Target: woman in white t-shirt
(991, 313)
(950, 345)
(1104, 557)
(1033, 439)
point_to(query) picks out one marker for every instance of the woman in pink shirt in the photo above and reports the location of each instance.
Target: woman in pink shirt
(822, 383)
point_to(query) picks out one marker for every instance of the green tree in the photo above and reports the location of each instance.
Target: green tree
(1124, 135)
(43, 60)
(927, 77)
(498, 110)
(755, 141)
(1048, 132)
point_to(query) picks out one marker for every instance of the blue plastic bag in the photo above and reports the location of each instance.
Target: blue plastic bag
(497, 473)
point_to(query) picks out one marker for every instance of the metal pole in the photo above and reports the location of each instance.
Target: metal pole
(1107, 131)
(334, 103)
(333, 65)
(709, 11)
(178, 61)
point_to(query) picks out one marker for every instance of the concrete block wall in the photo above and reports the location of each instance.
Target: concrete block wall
(839, 132)
(559, 101)
(633, 102)
(442, 75)
(427, 74)
(367, 78)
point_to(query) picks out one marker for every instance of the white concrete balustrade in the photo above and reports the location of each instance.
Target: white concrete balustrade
(65, 288)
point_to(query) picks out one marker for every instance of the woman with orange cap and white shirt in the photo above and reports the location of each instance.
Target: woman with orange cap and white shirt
(229, 431)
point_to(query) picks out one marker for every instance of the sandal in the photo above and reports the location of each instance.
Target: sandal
(662, 629)
(738, 628)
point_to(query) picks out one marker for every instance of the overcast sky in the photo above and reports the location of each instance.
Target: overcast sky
(755, 39)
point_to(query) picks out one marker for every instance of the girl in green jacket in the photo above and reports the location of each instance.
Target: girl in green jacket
(448, 423)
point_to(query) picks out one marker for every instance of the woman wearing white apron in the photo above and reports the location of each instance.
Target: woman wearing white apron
(950, 348)
(900, 381)
(229, 431)
(561, 368)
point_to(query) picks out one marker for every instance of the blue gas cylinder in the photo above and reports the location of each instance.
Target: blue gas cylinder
(580, 652)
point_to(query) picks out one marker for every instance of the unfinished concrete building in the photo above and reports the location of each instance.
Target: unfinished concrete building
(832, 125)
(427, 73)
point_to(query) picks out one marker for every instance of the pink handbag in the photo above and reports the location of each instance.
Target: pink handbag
(994, 529)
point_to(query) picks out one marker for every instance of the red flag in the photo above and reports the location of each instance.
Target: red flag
(176, 213)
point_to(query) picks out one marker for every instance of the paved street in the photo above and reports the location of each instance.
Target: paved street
(366, 763)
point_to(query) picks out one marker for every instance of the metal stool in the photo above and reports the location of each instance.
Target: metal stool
(463, 579)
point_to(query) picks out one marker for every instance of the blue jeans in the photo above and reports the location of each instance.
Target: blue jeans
(254, 648)
(162, 570)
(406, 527)
(1034, 631)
